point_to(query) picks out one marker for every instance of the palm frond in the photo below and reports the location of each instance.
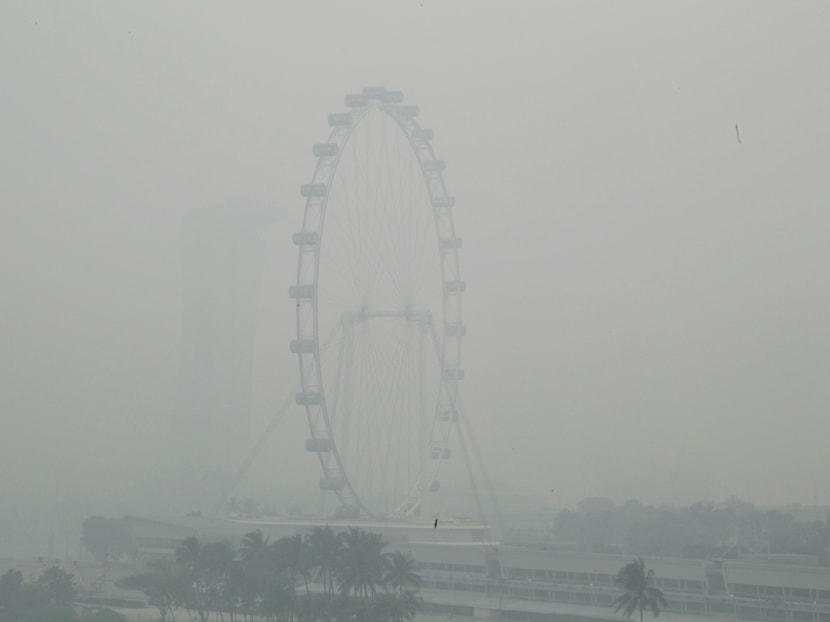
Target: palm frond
(639, 593)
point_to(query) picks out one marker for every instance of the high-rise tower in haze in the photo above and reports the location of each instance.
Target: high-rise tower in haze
(222, 257)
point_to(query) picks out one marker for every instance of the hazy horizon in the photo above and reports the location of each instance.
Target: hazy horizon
(644, 307)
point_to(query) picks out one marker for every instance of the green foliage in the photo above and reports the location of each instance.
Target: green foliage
(106, 538)
(401, 572)
(325, 551)
(162, 583)
(395, 607)
(57, 586)
(699, 531)
(362, 564)
(639, 592)
(212, 580)
(10, 585)
(46, 599)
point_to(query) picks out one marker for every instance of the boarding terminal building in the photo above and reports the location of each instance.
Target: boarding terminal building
(466, 574)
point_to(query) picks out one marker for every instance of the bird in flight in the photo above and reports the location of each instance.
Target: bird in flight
(435, 526)
(738, 134)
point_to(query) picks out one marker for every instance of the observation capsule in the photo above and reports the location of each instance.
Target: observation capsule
(434, 166)
(306, 238)
(455, 330)
(407, 112)
(332, 483)
(318, 445)
(422, 135)
(392, 97)
(303, 346)
(443, 202)
(340, 119)
(322, 150)
(448, 414)
(313, 190)
(309, 398)
(301, 291)
(374, 92)
(356, 101)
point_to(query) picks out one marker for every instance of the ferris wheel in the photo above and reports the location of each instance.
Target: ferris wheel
(378, 310)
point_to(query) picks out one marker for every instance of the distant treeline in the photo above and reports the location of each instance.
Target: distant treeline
(107, 538)
(48, 598)
(700, 531)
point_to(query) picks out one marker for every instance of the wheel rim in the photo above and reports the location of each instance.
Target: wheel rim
(378, 309)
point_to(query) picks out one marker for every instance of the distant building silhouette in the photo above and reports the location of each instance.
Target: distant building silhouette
(221, 258)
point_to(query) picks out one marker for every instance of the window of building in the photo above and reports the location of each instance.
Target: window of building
(801, 594)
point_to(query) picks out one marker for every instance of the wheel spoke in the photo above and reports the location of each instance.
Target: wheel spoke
(378, 272)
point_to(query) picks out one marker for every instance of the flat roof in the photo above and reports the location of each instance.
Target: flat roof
(344, 523)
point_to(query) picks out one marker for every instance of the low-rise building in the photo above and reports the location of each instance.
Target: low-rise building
(464, 572)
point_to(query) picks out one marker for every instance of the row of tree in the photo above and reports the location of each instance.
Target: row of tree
(352, 577)
(47, 598)
(700, 531)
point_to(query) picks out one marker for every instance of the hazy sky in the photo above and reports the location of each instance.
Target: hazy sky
(646, 297)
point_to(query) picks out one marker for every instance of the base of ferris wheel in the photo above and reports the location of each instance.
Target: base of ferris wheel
(479, 484)
(341, 479)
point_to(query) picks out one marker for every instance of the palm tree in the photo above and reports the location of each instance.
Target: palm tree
(188, 552)
(401, 572)
(409, 603)
(293, 556)
(235, 590)
(190, 562)
(325, 548)
(256, 569)
(391, 607)
(278, 599)
(217, 560)
(639, 592)
(385, 608)
(362, 564)
(253, 545)
(162, 584)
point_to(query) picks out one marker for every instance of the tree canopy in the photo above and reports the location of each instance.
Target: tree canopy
(273, 580)
(638, 591)
(107, 538)
(45, 599)
(699, 531)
